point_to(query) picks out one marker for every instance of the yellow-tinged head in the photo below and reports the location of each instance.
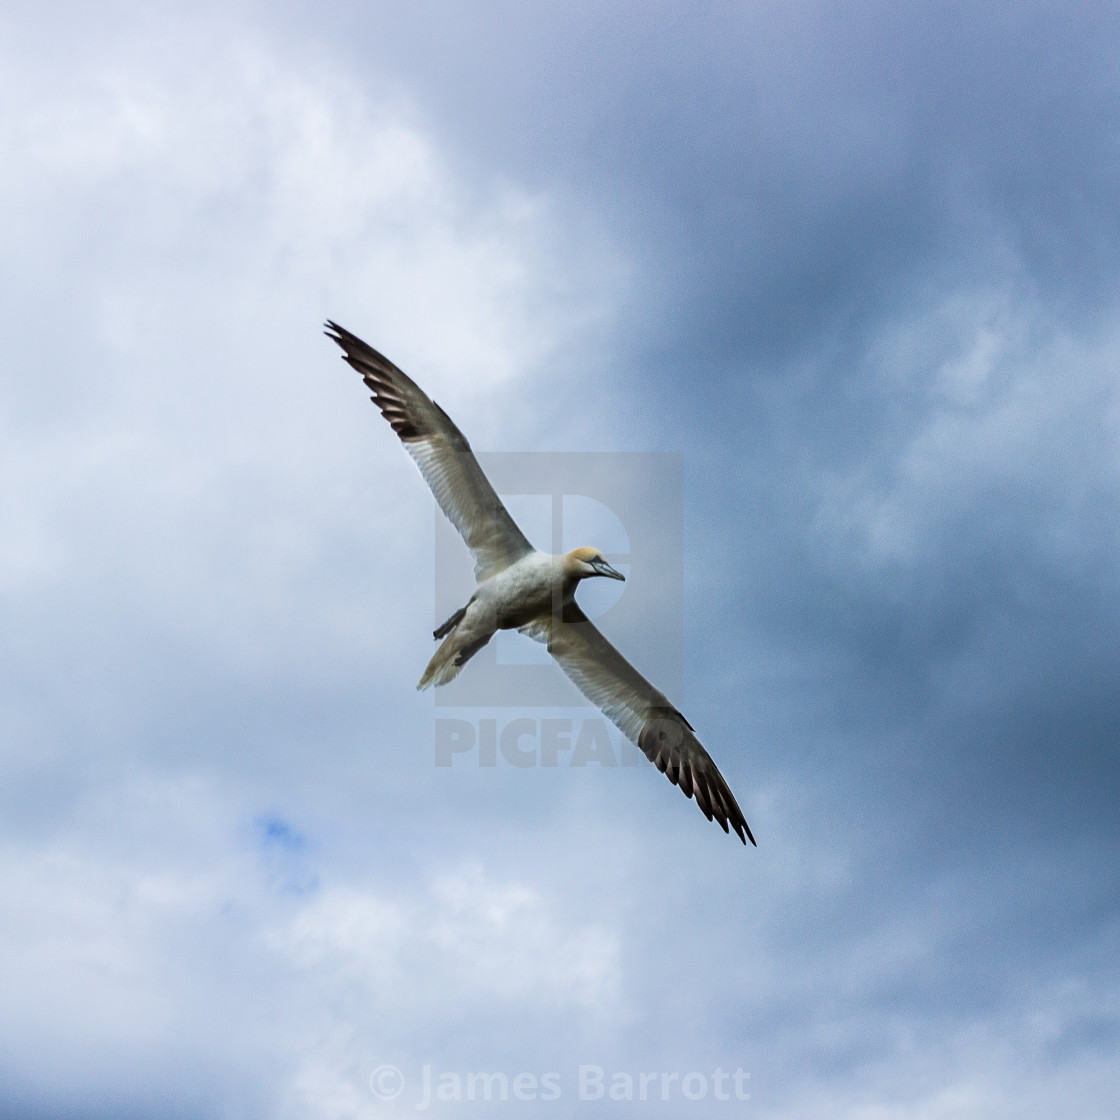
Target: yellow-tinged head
(586, 562)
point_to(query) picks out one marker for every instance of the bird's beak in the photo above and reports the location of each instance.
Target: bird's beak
(604, 569)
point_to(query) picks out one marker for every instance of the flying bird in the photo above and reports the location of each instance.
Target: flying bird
(521, 588)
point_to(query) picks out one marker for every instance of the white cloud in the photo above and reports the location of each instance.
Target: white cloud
(211, 542)
(489, 942)
(196, 491)
(180, 435)
(992, 402)
(995, 1069)
(151, 925)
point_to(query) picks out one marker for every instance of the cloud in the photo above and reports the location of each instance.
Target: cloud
(187, 507)
(145, 936)
(859, 265)
(184, 232)
(495, 944)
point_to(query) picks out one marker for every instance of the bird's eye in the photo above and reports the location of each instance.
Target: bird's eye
(598, 560)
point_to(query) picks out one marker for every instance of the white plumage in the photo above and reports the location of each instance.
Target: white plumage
(522, 588)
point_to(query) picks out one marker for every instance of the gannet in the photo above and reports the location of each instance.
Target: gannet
(521, 588)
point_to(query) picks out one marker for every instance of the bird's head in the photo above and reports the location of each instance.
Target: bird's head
(586, 562)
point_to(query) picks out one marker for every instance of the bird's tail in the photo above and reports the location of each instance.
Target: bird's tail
(454, 652)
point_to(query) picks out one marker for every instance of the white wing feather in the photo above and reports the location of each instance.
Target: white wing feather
(443, 455)
(640, 711)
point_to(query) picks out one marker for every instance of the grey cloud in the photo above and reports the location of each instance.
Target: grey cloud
(859, 263)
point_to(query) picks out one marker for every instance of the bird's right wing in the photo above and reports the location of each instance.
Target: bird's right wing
(640, 711)
(443, 455)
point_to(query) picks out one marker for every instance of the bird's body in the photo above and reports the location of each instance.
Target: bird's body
(507, 600)
(522, 588)
(534, 587)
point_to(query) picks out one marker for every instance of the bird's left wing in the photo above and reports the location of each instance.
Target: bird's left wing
(443, 455)
(640, 711)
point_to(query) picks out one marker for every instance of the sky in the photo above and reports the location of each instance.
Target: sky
(853, 267)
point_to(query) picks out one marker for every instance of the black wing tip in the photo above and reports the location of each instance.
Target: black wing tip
(350, 343)
(739, 823)
(712, 794)
(354, 348)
